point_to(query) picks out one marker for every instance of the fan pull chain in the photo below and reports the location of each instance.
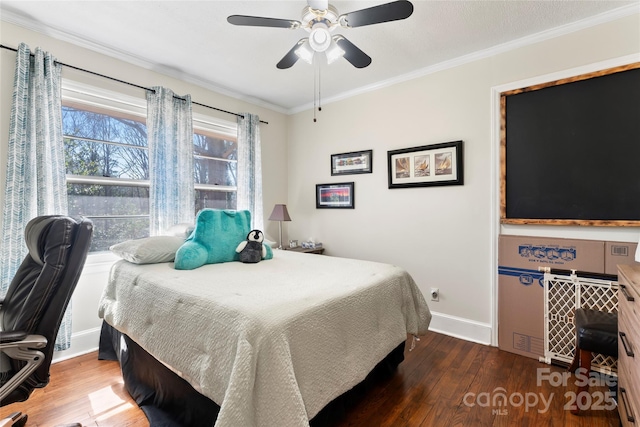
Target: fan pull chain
(319, 88)
(315, 86)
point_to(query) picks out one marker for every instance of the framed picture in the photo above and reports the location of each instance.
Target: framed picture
(335, 196)
(352, 163)
(427, 165)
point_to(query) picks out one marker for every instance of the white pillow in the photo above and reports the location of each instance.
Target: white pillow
(148, 250)
(182, 229)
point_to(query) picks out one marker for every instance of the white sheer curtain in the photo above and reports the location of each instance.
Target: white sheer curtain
(170, 136)
(36, 183)
(250, 168)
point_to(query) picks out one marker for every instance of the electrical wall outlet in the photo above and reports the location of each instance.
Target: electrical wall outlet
(435, 294)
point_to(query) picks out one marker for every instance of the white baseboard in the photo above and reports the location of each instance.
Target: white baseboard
(82, 342)
(459, 327)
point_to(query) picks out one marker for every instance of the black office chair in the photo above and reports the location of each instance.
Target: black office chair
(32, 310)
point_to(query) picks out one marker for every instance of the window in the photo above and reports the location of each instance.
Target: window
(107, 162)
(107, 166)
(215, 164)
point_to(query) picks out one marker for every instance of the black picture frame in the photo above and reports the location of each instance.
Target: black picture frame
(352, 163)
(426, 165)
(335, 196)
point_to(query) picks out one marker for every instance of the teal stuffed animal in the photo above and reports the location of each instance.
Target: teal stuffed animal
(216, 236)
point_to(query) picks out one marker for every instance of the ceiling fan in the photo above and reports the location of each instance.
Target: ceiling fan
(319, 19)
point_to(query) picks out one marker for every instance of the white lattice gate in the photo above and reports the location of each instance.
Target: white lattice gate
(563, 293)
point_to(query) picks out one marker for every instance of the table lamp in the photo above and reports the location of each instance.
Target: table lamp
(280, 214)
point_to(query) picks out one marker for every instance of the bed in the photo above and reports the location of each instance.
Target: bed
(271, 343)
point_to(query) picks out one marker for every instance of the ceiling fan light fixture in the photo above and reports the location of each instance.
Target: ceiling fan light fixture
(305, 52)
(334, 52)
(320, 39)
(312, 15)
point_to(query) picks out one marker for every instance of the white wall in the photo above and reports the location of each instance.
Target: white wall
(444, 236)
(274, 141)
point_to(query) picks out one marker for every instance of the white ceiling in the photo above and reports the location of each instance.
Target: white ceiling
(192, 40)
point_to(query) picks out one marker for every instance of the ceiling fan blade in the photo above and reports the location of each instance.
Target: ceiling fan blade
(352, 53)
(260, 21)
(318, 4)
(291, 57)
(393, 11)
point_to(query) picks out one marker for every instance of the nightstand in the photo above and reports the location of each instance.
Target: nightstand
(306, 250)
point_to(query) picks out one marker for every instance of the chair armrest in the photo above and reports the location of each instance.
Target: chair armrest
(12, 336)
(27, 343)
(24, 350)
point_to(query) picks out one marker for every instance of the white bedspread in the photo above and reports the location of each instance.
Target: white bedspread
(272, 343)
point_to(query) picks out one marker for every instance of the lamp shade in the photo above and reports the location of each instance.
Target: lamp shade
(638, 252)
(279, 213)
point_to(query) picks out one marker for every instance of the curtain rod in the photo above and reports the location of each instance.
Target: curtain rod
(135, 85)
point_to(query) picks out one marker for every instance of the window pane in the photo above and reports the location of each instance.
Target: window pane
(103, 127)
(206, 145)
(215, 172)
(109, 231)
(107, 200)
(101, 144)
(99, 202)
(216, 160)
(215, 200)
(92, 158)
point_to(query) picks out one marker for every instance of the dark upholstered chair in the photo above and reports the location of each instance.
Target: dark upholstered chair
(596, 332)
(33, 308)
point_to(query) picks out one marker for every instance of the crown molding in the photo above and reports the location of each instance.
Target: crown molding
(602, 18)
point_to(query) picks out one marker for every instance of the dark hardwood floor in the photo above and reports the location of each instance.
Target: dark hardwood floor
(444, 381)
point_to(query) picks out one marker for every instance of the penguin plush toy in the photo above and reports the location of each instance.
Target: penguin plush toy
(252, 250)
